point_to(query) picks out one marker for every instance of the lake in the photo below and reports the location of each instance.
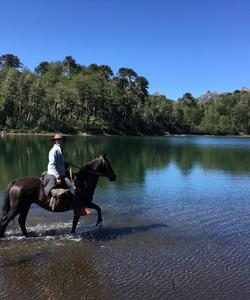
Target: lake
(176, 222)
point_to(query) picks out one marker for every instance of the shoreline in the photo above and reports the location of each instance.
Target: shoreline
(6, 133)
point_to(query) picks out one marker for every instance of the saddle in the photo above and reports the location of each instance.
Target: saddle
(57, 196)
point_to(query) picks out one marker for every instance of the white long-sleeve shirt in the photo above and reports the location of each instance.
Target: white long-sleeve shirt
(56, 165)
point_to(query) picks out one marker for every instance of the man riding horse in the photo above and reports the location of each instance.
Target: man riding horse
(23, 192)
(56, 168)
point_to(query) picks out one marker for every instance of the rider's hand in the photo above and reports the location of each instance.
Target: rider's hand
(58, 180)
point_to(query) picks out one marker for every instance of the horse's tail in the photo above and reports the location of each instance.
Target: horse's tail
(6, 203)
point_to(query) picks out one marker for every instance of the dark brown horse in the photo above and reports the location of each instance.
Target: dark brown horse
(23, 192)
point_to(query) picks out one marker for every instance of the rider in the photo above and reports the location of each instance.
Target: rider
(56, 165)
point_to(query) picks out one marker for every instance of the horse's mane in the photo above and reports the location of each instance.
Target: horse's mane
(89, 166)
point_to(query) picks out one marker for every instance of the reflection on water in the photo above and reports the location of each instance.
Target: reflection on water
(176, 222)
(130, 157)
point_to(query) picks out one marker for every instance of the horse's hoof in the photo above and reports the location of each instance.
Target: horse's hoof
(29, 234)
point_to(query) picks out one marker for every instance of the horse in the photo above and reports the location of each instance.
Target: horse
(23, 192)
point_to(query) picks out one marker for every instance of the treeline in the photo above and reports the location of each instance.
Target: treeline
(68, 97)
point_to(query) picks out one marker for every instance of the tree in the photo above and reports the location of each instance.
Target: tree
(69, 64)
(10, 61)
(42, 68)
(92, 99)
(157, 114)
(126, 73)
(10, 97)
(141, 84)
(55, 69)
(188, 99)
(93, 68)
(105, 71)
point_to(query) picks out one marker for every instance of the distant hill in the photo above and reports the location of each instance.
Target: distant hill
(210, 96)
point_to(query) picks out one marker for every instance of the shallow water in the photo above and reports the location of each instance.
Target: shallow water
(176, 223)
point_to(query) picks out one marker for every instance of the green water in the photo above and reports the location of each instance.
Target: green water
(131, 157)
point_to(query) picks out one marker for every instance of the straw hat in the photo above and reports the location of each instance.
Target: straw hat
(58, 136)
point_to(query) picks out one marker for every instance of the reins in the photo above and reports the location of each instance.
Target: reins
(88, 171)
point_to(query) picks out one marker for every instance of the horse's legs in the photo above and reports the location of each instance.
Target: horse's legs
(77, 213)
(75, 222)
(22, 219)
(5, 221)
(98, 209)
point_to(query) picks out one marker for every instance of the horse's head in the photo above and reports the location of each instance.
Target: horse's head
(103, 167)
(100, 166)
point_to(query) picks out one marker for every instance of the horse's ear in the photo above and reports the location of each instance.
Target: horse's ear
(104, 155)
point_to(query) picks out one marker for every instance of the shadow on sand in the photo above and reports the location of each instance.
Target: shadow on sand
(112, 233)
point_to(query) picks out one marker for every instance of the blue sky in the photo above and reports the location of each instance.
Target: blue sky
(179, 46)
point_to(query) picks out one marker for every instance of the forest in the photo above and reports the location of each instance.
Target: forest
(69, 97)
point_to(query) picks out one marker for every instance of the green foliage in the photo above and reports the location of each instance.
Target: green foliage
(68, 97)
(227, 114)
